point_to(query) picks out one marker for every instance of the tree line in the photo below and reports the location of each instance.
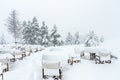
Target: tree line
(30, 32)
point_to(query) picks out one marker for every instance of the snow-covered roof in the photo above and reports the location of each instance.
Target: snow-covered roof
(51, 65)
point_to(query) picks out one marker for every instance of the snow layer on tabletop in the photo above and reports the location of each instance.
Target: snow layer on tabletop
(95, 49)
(61, 52)
(4, 56)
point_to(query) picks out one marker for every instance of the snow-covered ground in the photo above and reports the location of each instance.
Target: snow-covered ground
(30, 67)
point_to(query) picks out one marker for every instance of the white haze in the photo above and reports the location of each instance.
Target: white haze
(102, 16)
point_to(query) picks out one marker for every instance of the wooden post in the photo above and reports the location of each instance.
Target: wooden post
(60, 73)
(2, 76)
(14, 58)
(22, 57)
(71, 61)
(42, 73)
(30, 50)
(7, 67)
(29, 53)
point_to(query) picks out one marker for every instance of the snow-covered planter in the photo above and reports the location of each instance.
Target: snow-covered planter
(51, 67)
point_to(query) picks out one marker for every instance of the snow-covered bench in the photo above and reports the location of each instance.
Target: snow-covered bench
(4, 65)
(18, 54)
(51, 67)
(103, 57)
(90, 52)
(99, 54)
(74, 57)
(8, 56)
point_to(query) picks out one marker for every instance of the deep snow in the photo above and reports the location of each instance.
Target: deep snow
(30, 67)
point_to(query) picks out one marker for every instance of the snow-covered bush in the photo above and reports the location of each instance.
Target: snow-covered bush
(91, 39)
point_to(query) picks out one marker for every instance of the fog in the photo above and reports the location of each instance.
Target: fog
(102, 16)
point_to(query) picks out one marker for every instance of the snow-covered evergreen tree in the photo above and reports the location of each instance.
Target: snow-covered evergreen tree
(54, 36)
(13, 25)
(102, 39)
(31, 32)
(2, 39)
(91, 39)
(35, 30)
(44, 35)
(27, 32)
(77, 38)
(69, 39)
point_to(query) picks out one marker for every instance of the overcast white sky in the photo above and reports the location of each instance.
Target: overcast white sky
(103, 16)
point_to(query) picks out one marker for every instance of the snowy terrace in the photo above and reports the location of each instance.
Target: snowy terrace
(30, 67)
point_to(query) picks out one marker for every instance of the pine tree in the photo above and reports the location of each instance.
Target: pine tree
(27, 32)
(31, 32)
(13, 25)
(44, 34)
(35, 30)
(91, 39)
(2, 39)
(69, 39)
(102, 39)
(77, 38)
(54, 36)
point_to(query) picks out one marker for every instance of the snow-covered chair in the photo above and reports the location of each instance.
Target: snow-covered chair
(51, 67)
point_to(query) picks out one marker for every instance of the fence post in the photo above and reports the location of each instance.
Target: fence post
(2, 76)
